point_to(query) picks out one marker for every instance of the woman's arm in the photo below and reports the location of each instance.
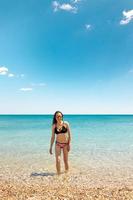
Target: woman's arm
(52, 138)
(69, 133)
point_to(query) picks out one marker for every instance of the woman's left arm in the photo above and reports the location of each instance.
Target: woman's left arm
(69, 133)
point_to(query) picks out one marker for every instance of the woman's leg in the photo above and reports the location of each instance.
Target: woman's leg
(65, 157)
(58, 158)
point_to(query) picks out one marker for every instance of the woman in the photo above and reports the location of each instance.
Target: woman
(63, 138)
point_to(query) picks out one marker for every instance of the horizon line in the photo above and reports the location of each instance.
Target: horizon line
(67, 114)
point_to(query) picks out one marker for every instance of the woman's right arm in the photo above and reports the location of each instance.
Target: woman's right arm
(52, 138)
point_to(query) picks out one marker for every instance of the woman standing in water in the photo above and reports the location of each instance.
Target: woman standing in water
(63, 138)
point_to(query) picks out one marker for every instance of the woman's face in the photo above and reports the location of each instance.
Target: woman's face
(58, 117)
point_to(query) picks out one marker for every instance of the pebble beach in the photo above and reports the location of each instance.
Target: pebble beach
(34, 183)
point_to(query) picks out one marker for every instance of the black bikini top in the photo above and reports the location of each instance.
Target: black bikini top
(62, 130)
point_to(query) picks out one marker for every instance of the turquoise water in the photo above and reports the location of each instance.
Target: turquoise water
(100, 140)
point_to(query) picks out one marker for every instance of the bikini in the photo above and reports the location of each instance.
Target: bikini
(62, 131)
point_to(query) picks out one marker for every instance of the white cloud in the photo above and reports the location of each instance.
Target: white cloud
(128, 16)
(11, 75)
(26, 89)
(38, 84)
(76, 1)
(55, 5)
(88, 26)
(3, 70)
(65, 6)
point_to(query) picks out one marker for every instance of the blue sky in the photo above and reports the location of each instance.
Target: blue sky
(75, 56)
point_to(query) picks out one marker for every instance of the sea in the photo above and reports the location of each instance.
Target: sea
(97, 141)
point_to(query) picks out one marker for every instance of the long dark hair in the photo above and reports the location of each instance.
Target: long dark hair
(54, 118)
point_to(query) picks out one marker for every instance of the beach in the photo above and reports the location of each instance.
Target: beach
(43, 184)
(100, 159)
(11, 191)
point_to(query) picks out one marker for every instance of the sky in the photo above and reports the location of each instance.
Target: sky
(75, 56)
